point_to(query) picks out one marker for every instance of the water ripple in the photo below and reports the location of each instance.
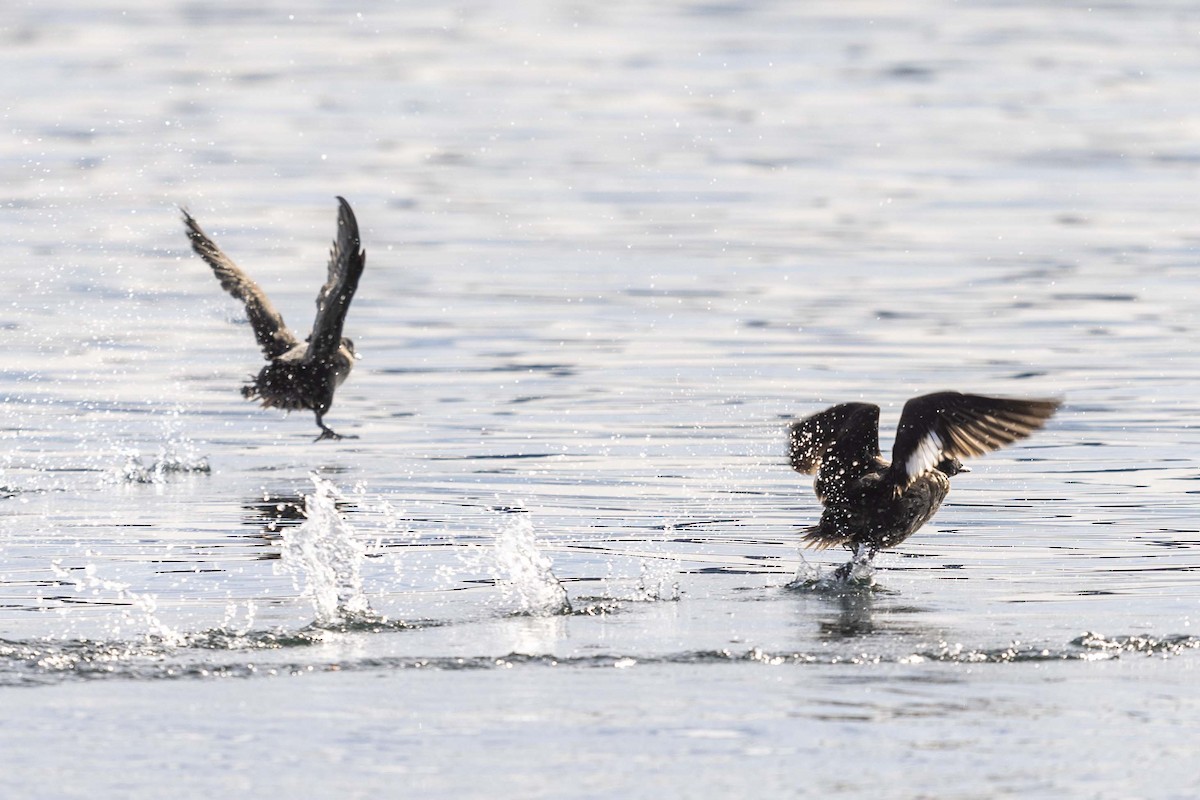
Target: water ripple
(49, 662)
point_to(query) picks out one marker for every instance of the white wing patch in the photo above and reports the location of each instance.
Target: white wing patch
(926, 456)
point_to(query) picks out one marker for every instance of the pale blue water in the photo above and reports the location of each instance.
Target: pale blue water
(611, 249)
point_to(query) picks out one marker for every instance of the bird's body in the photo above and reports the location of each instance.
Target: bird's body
(299, 374)
(871, 503)
(295, 381)
(868, 510)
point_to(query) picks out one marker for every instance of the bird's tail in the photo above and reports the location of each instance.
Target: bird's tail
(250, 389)
(821, 538)
(273, 388)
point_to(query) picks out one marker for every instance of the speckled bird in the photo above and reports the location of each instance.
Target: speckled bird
(872, 504)
(299, 374)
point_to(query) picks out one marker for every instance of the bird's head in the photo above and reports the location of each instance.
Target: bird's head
(349, 345)
(951, 466)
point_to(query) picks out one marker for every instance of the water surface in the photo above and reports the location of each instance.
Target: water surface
(611, 250)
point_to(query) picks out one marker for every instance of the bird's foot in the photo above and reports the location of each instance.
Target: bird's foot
(842, 573)
(858, 569)
(329, 433)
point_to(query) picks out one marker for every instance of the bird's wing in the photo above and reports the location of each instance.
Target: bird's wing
(273, 336)
(855, 425)
(840, 444)
(944, 425)
(346, 261)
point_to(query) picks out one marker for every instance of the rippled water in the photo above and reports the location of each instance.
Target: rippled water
(611, 250)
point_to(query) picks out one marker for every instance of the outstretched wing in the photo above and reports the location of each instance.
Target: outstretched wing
(273, 336)
(346, 262)
(840, 444)
(944, 425)
(811, 437)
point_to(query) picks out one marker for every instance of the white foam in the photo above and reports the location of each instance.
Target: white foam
(526, 573)
(325, 557)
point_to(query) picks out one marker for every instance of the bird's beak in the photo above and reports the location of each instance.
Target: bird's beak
(964, 468)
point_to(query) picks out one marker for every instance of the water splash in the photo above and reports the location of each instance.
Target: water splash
(176, 455)
(138, 608)
(529, 576)
(6, 491)
(167, 463)
(855, 575)
(230, 624)
(658, 571)
(1149, 645)
(324, 556)
(658, 580)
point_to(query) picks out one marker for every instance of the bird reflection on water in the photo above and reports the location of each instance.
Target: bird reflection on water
(855, 608)
(855, 617)
(873, 612)
(853, 599)
(272, 512)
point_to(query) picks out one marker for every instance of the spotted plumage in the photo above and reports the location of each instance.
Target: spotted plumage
(871, 503)
(299, 374)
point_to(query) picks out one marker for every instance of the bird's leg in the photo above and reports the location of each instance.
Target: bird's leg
(858, 564)
(329, 433)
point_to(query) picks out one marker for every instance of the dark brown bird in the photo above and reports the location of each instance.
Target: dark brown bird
(871, 504)
(299, 374)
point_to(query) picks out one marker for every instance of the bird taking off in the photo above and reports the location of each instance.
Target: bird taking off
(299, 374)
(872, 504)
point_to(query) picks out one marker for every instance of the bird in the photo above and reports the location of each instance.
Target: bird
(871, 504)
(299, 374)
